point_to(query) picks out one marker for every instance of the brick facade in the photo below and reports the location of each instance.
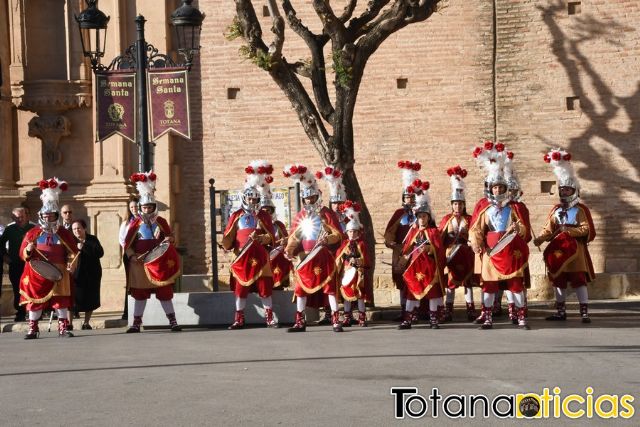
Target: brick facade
(543, 56)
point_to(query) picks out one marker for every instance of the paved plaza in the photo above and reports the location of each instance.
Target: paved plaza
(261, 376)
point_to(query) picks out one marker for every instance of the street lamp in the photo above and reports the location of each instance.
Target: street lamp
(92, 23)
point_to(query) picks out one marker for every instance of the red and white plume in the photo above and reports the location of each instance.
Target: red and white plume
(410, 169)
(333, 177)
(560, 160)
(145, 183)
(351, 210)
(51, 189)
(491, 157)
(301, 174)
(457, 176)
(259, 177)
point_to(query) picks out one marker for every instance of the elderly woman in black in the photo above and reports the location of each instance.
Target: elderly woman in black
(88, 274)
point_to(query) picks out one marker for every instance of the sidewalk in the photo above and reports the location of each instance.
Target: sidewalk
(537, 311)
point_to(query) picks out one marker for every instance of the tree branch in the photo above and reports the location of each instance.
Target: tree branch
(373, 9)
(348, 11)
(277, 28)
(316, 44)
(251, 30)
(399, 15)
(330, 22)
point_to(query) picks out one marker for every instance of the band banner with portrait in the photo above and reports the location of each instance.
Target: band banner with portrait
(168, 92)
(231, 201)
(116, 111)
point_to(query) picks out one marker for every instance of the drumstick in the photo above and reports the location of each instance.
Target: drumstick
(41, 254)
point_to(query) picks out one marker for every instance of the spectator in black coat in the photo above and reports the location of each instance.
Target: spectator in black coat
(88, 273)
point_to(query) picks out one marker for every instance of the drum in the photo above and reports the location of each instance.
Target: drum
(349, 276)
(502, 243)
(46, 270)
(275, 252)
(559, 253)
(162, 264)
(453, 253)
(309, 257)
(400, 265)
(250, 263)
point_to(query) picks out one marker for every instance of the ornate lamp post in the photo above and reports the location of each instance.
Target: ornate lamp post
(187, 22)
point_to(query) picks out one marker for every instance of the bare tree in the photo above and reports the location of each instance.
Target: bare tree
(353, 39)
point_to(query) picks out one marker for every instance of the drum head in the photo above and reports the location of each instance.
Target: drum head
(156, 252)
(46, 270)
(349, 274)
(309, 257)
(503, 243)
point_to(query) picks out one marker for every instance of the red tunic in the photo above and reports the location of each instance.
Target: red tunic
(424, 275)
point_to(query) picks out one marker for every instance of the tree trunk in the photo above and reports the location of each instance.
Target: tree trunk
(354, 192)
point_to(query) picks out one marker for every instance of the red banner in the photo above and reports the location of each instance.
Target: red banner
(168, 92)
(115, 104)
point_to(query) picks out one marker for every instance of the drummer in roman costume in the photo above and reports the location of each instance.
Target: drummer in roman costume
(569, 228)
(424, 253)
(499, 234)
(280, 265)
(50, 254)
(515, 195)
(248, 233)
(454, 229)
(147, 235)
(314, 230)
(352, 260)
(399, 225)
(337, 197)
(337, 193)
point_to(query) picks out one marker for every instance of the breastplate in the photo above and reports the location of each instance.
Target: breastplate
(567, 217)
(146, 232)
(499, 218)
(42, 239)
(407, 218)
(311, 227)
(247, 221)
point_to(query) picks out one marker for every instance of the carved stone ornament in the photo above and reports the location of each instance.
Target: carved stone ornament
(49, 96)
(50, 128)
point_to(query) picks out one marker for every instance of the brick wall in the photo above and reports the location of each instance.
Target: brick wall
(544, 56)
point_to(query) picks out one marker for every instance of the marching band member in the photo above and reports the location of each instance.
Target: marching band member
(314, 229)
(515, 197)
(280, 265)
(425, 255)
(569, 228)
(249, 230)
(50, 254)
(337, 196)
(454, 229)
(399, 225)
(146, 233)
(499, 234)
(352, 259)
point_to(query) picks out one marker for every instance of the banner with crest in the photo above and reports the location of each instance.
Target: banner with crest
(116, 111)
(168, 92)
